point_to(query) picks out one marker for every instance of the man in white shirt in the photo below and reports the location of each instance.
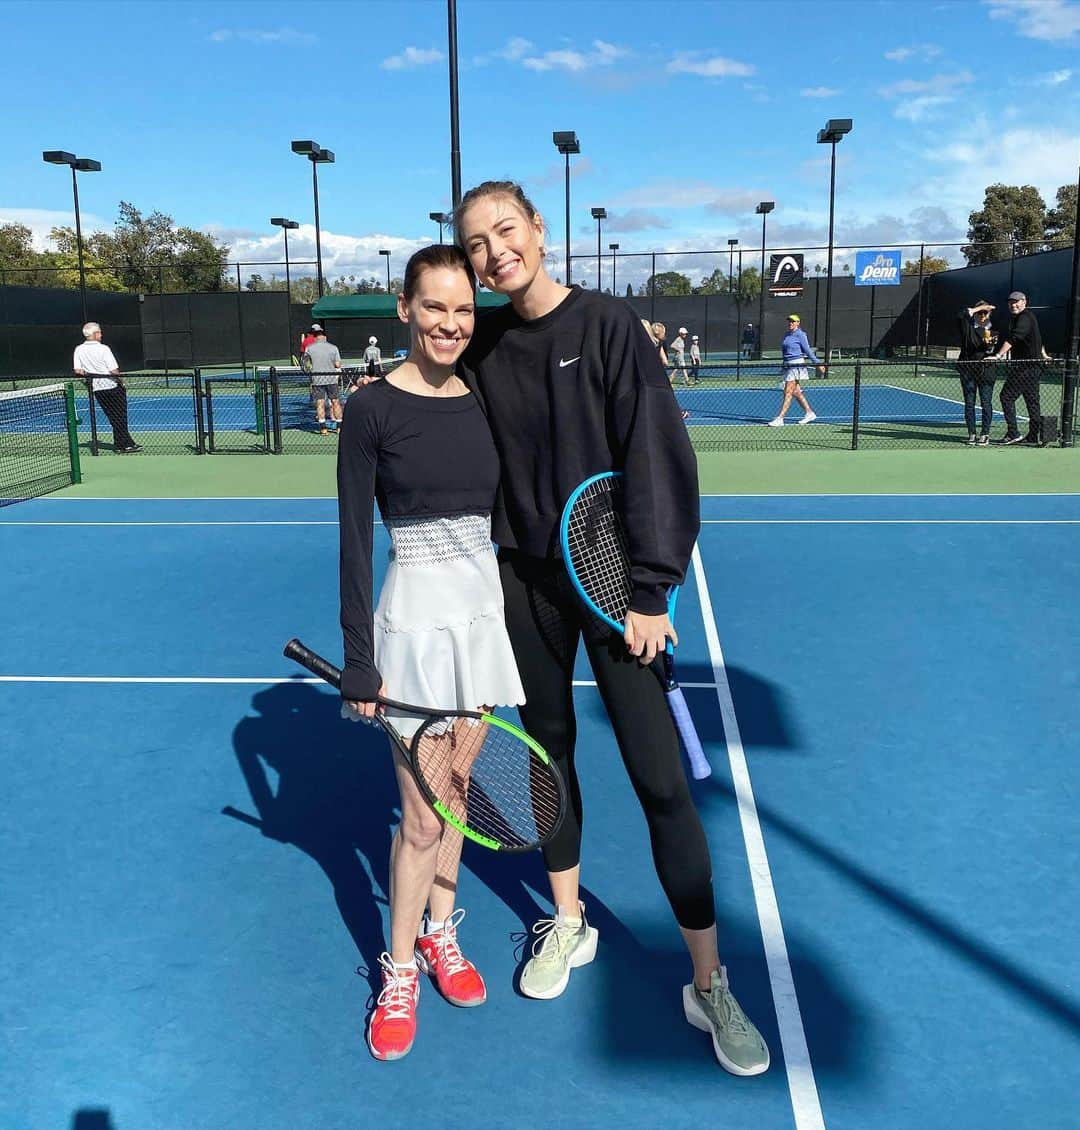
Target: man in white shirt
(96, 360)
(678, 357)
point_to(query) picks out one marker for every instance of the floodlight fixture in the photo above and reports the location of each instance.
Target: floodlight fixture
(566, 141)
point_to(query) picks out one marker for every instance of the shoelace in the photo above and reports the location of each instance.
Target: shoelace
(398, 991)
(546, 930)
(733, 1016)
(450, 956)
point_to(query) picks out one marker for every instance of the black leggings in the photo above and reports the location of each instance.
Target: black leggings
(546, 620)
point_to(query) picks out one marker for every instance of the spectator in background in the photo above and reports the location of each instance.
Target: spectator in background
(1023, 348)
(977, 343)
(795, 350)
(695, 359)
(323, 362)
(308, 338)
(678, 356)
(659, 332)
(749, 337)
(95, 359)
(373, 358)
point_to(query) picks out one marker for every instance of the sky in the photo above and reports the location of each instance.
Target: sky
(688, 113)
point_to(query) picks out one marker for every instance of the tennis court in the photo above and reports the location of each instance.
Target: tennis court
(197, 845)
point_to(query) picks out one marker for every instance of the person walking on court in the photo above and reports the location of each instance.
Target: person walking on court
(977, 342)
(749, 337)
(95, 359)
(373, 366)
(418, 444)
(1023, 348)
(678, 356)
(695, 358)
(795, 352)
(322, 361)
(577, 364)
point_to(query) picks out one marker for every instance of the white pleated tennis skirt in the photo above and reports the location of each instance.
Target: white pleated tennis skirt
(440, 632)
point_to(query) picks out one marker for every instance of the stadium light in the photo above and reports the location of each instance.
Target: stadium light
(286, 227)
(763, 209)
(834, 131)
(613, 248)
(386, 251)
(440, 218)
(566, 141)
(78, 165)
(599, 215)
(315, 153)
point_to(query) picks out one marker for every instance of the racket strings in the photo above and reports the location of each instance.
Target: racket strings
(490, 781)
(597, 549)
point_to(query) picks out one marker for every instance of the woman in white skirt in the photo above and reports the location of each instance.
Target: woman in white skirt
(418, 444)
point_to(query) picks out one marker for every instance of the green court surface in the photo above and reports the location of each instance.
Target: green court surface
(958, 471)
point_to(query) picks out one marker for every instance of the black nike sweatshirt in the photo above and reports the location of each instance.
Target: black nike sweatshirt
(579, 391)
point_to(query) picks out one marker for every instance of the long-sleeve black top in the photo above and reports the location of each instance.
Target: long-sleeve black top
(575, 392)
(418, 457)
(974, 344)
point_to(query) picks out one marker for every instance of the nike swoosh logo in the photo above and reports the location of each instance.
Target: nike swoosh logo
(563, 364)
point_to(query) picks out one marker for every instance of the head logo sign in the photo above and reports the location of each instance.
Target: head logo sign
(877, 268)
(786, 275)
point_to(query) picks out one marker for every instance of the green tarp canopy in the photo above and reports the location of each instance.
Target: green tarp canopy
(380, 305)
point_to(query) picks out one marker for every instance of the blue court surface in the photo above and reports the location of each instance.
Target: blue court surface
(195, 845)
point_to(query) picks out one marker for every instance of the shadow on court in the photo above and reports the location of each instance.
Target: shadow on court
(92, 1118)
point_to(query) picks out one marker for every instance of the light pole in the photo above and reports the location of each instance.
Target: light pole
(386, 251)
(440, 218)
(613, 248)
(566, 141)
(315, 153)
(730, 284)
(834, 130)
(599, 215)
(286, 227)
(455, 134)
(78, 165)
(763, 209)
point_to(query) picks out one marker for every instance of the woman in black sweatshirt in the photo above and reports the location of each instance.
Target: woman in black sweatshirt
(977, 342)
(572, 386)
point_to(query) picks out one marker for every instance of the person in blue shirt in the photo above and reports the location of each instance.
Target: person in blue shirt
(796, 352)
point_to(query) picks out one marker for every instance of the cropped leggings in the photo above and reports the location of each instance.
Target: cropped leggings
(546, 620)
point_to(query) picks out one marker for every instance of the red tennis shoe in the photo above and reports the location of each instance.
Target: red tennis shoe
(456, 976)
(392, 1028)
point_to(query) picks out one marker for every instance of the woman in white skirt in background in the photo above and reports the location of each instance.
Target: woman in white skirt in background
(418, 444)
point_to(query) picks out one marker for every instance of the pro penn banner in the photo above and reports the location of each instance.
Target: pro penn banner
(877, 268)
(785, 275)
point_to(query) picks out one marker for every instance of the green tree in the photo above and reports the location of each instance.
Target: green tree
(716, 283)
(929, 264)
(669, 283)
(1011, 215)
(1061, 219)
(748, 286)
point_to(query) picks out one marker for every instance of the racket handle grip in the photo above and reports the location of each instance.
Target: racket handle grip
(680, 712)
(315, 663)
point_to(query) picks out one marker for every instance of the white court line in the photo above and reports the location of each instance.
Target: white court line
(200, 679)
(805, 1104)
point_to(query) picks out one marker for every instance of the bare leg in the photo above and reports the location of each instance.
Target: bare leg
(703, 954)
(800, 396)
(787, 401)
(565, 892)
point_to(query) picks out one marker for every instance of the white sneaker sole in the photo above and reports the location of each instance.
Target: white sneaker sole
(582, 956)
(697, 1019)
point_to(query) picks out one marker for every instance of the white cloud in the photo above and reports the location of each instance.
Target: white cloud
(1052, 20)
(514, 49)
(924, 52)
(412, 57)
(920, 99)
(713, 66)
(1053, 78)
(341, 254)
(691, 194)
(635, 219)
(601, 55)
(41, 221)
(819, 92)
(286, 36)
(922, 108)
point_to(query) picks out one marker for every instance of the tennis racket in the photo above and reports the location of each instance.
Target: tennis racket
(594, 549)
(482, 775)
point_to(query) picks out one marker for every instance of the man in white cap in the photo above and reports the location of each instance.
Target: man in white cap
(373, 358)
(695, 359)
(678, 356)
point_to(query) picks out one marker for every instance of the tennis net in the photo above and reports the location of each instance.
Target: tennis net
(39, 442)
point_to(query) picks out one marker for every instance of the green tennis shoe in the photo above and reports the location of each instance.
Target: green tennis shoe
(560, 946)
(737, 1043)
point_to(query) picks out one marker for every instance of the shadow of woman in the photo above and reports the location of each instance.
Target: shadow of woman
(336, 799)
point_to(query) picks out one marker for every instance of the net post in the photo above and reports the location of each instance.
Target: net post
(855, 405)
(72, 431)
(93, 415)
(275, 408)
